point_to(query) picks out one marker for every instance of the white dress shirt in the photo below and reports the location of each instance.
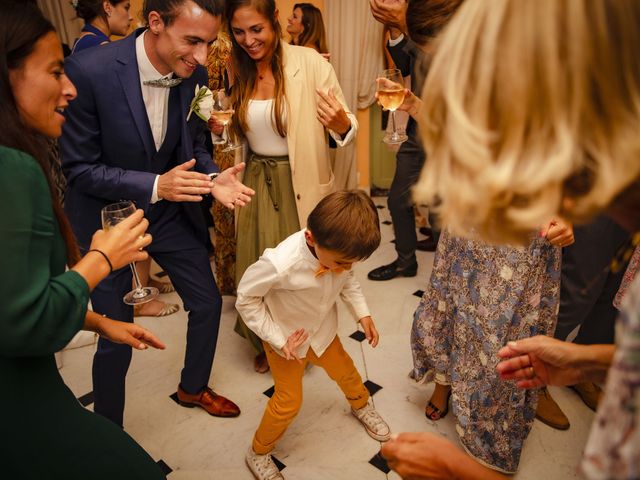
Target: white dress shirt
(156, 101)
(280, 293)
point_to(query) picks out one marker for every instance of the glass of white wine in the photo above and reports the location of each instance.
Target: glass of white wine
(112, 215)
(390, 89)
(223, 112)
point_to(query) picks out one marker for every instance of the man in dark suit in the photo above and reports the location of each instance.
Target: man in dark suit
(127, 138)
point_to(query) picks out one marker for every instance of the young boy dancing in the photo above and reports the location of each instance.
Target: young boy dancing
(288, 298)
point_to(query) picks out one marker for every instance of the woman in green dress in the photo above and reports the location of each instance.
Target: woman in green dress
(45, 431)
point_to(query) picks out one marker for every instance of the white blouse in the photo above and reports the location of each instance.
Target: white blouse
(262, 136)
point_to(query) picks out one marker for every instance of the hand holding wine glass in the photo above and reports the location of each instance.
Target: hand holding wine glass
(391, 92)
(124, 242)
(112, 216)
(223, 112)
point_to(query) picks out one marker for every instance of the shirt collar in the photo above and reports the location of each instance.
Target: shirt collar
(307, 253)
(145, 67)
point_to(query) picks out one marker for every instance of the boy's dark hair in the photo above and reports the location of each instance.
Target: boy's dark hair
(346, 222)
(168, 9)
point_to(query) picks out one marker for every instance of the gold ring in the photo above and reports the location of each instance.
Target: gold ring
(532, 372)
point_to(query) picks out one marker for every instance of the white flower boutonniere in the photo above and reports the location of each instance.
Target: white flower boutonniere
(202, 103)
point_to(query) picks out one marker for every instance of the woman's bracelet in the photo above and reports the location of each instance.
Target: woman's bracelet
(105, 257)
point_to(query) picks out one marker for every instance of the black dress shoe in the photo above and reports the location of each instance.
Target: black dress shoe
(426, 231)
(387, 272)
(427, 245)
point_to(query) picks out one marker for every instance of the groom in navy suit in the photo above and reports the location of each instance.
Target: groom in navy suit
(127, 138)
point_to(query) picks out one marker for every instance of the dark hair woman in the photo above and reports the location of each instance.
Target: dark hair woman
(42, 306)
(286, 99)
(306, 27)
(103, 18)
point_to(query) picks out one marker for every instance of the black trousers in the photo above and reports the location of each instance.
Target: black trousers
(409, 162)
(587, 289)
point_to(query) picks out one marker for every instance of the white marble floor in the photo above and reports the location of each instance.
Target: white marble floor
(325, 441)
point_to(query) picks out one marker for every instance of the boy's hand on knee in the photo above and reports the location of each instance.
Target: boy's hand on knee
(370, 331)
(296, 339)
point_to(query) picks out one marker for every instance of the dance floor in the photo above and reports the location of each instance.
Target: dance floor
(325, 441)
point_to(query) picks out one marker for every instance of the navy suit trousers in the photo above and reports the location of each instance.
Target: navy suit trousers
(177, 248)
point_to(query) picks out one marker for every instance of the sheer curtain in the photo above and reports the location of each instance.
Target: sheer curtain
(63, 17)
(355, 43)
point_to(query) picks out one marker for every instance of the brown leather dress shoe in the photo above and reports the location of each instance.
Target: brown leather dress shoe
(590, 393)
(549, 412)
(210, 401)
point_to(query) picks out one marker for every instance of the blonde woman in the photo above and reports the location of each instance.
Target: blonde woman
(521, 86)
(287, 101)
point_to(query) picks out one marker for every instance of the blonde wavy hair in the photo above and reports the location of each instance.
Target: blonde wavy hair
(531, 109)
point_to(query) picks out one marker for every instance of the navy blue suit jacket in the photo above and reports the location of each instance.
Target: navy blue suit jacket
(107, 146)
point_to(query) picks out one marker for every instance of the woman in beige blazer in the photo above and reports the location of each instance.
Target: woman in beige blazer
(287, 100)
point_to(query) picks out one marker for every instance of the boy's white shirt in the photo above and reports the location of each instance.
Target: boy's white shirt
(280, 293)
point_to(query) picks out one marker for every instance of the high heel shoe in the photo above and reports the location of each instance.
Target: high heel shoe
(437, 414)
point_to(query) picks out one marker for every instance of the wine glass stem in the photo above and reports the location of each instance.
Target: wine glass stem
(136, 279)
(393, 122)
(226, 133)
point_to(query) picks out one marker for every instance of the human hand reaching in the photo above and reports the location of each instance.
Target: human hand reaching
(538, 361)
(181, 184)
(229, 191)
(559, 232)
(392, 13)
(294, 340)
(370, 331)
(331, 114)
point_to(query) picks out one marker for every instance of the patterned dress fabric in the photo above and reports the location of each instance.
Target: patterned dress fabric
(613, 448)
(629, 275)
(479, 298)
(224, 236)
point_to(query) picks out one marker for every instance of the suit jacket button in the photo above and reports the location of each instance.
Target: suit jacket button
(298, 196)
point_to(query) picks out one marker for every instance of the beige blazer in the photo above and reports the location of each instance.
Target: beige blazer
(305, 70)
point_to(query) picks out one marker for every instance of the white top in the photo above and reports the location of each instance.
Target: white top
(395, 41)
(280, 293)
(156, 101)
(262, 136)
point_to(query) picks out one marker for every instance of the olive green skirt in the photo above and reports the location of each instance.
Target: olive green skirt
(268, 219)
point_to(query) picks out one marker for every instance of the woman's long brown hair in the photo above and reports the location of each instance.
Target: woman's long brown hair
(21, 26)
(245, 71)
(313, 34)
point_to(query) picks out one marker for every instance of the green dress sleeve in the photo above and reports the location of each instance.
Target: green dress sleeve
(41, 306)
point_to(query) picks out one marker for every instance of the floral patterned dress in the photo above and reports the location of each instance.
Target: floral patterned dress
(224, 236)
(613, 448)
(479, 298)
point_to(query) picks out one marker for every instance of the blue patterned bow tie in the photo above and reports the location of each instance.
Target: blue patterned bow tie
(163, 82)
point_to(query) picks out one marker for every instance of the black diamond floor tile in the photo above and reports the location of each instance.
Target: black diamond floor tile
(269, 393)
(166, 469)
(386, 222)
(372, 387)
(380, 463)
(358, 335)
(86, 399)
(174, 397)
(419, 293)
(281, 466)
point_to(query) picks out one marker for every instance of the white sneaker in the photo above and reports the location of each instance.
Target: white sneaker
(262, 466)
(376, 427)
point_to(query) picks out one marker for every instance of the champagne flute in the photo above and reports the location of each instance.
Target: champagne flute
(390, 88)
(223, 112)
(111, 216)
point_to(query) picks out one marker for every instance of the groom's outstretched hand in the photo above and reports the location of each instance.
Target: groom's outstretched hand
(180, 184)
(229, 191)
